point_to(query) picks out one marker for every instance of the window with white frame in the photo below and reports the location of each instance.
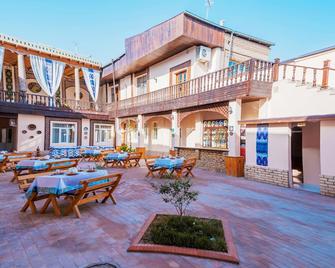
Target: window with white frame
(141, 84)
(103, 134)
(63, 133)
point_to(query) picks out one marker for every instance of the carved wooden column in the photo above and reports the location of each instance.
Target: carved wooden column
(21, 75)
(76, 85)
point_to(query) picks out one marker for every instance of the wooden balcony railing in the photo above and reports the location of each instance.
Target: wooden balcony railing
(256, 70)
(305, 75)
(53, 103)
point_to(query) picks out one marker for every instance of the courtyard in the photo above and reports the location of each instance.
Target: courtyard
(271, 226)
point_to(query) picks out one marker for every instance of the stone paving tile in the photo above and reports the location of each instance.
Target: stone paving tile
(271, 226)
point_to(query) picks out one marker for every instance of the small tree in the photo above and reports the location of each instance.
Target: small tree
(179, 194)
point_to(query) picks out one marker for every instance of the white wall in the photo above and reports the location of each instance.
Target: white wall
(163, 141)
(327, 147)
(279, 146)
(24, 142)
(70, 94)
(317, 59)
(288, 99)
(311, 153)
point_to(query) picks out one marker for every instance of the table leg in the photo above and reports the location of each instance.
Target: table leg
(55, 205)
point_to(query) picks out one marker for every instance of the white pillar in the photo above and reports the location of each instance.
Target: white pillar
(140, 131)
(118, 139)
(76, 84)
(21, 73)
(234, 127)
(175, 129)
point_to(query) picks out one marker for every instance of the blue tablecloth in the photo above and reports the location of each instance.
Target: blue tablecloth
(116, 156)
(92, 152)
(37, 164)
(70, 152)
(59, 184)
(97, 147)
(169, 163)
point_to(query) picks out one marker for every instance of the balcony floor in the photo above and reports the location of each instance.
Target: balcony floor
(271, 226)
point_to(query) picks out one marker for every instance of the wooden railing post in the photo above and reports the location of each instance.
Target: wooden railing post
(276, 70)
(325, 74)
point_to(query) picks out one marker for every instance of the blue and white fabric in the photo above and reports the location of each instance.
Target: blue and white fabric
(92, 81)
(262, 145)
(70, 152)
(36, 165)
(2, 53)
(169, 163)
(48, 73)
(116, 156)
(60, 184)
(92, 152)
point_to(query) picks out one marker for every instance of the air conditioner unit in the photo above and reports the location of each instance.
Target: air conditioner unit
(203, 54)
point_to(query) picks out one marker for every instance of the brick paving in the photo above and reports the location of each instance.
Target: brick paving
(271, 226)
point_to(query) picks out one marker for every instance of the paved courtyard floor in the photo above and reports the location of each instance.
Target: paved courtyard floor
(271, 226)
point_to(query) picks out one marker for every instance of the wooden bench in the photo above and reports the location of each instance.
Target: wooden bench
(150, 164)
(134, 159)
(93, 193)
(51, 166)
(186, 169)
(11, 159)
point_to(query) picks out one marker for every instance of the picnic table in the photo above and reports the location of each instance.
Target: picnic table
(54, 185)
(168, 163)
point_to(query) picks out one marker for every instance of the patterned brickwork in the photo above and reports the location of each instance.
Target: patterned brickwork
(273, 176)
(327, 185)
(207, 159)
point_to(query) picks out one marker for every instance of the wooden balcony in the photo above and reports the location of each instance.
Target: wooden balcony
(250, 79)
(16, 102)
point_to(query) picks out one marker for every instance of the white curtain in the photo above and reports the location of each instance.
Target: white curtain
(48, 73)
(92, 81)
(2, 53)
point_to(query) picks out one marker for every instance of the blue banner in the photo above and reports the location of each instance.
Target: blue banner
(92, 81)
(262, 145)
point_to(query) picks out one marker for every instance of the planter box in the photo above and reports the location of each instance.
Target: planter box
(230, 256)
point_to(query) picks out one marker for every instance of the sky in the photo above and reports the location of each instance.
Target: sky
(98, 28)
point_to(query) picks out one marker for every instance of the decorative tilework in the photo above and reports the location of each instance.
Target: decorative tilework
(262, 145)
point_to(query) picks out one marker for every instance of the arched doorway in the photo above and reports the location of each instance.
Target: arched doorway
(157, 134)
(128, 132)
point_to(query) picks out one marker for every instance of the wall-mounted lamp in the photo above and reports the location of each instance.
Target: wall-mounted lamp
(230, 110)
(231, 130)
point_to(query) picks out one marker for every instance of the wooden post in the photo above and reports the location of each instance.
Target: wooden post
(276, 70)
(325, 74)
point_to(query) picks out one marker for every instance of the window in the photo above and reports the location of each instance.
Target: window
(103, 134)
(141, 84)
(155, 131)
(215, 134)
(63, 133)
(181, 77)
